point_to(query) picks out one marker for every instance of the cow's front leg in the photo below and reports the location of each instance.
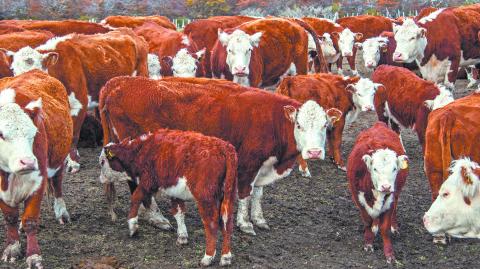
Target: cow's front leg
(59, 207)
(12, 239)
(155, 217)
(257, 211)
(243, 221)
(30, 221)
(178, 211)
(303, 167)
(138, 196)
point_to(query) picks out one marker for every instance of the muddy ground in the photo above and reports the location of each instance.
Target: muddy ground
(314, 224)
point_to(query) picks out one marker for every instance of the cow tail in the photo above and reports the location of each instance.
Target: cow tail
(446, 125)
(108, 134)
(229, 187)
(323, 68)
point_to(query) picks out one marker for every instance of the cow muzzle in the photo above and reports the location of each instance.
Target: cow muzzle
(314, 153)
(26, 165)
(398, 57)
(240, 71)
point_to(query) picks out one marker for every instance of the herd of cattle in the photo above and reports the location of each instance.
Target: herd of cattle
(181, 113)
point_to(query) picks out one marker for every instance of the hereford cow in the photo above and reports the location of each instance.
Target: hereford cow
(204, 33)
(359, 28)
(136, 21)
(208, 176)
(250, 54)
(35, 137)
(61, 28)
(269, 131)
(458, 202)
(177, 53)
(437, 52)
(425, 12)
(377, 169)
(349, 95)
(116, 53)
(407, 100)
(451, 134)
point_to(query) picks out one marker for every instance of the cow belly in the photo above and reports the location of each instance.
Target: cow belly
(436, 70)
(20, 187)
(179, 191)
(268, 174)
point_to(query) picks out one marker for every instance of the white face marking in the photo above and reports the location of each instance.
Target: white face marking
(153, 66)
(346, 42)
(363, 93)
(442, 99)
(16, 141)
(328, 49)
(380, 204)
(449, 213)
(431, 17)
(180, 191)
(267, 173)
(372, 50)
(184, 65)
(107, 174)
(20, 187)
(27, 59)
(411, 42)
(239, 46)
(75, 105)
(384, 166)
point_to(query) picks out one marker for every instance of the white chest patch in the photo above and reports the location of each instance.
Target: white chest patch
(435, 70)
(91, 104)
(380, 204)
(20, 187)
(267, 173)
(75, 105)
(180, 191)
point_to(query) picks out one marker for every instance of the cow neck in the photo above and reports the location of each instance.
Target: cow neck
(4, 180)
(288, 150)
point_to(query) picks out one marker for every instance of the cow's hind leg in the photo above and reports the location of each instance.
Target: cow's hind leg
(257, 211)
(243, 221)
(12, 240)
(209, 213)
(178, 211)
(155, 217)
(59, 207)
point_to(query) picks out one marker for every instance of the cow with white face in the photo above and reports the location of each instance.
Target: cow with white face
(185, 64)
(154, 68)
(346, 41)
(383, 166)
(363, 93)
(328, 50)
(239, 46)
(411, 42)
(27, 59)
(372, 50)
(456, 210)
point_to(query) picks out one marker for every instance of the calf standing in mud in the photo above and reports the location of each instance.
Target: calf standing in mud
(185, 166)
(376, 172)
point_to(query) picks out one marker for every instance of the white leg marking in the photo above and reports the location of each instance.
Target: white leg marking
(60, 209)
(375, 229)
(207, 260)
(226, 259)
(242, 216)
(305, 173)
(155, 217)
(11, 252)
(34, 261)
(182, 233)
(72, 166)
(133, 225)
(257, 212)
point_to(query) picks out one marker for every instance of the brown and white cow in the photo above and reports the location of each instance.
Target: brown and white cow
(268, 130)
(407, 100)
(348, 95)
(358, 29)
(437, 52)
(377, 170)
(136, 21)
(178, 55)
(35, 138)
(65, 27)
(84, 63)
(184, 166)
(451, 134)
(259, 53)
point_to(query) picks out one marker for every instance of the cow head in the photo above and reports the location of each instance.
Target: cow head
(185, 64)
(27, 59)
(239, 46)
(411, 42)
(372, 50)
(363, 93)
(111, 169)
(311, 122)
(444, 98)
(456, 210)
(346, 40)
(383, 166)
(153, 66)
(326, 43)
(17, 134)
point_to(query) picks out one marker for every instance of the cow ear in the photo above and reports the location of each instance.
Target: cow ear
(358, 36)
(470, 182)
(359, 45)
(34, 104)
(255, 39)
(223, 37)
(367, 159)
(422, 32)
(351, 88)
(8, 53)
(402, 161)
(336, 34)
(384, 47)
(200, 54)
(290, 113)
(334, 115)
(50, 59)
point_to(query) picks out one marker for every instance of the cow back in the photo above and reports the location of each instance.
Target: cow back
(368, 25)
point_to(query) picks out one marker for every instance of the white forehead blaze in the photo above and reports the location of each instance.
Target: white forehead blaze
(26, 59)
(456, 179)
(239, 46)
(311, 115)
(154, 67)
(185, 40)
(184, 64)
(411, 41)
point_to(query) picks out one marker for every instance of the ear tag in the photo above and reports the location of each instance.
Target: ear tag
(404, 164)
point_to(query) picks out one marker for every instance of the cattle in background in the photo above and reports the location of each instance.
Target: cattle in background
(35, 137)
(250, 54)
(407, 100)
(6, 28)
(116, 53)
(184, 166)
(349, 95)
(177, 54)
(451, 134)
(358, 29)
(136, 21)
(267, 145)
(438, 53)
(458, 202)
(425, 12)
(91, 134)
(61, 28)
(204, 33)
(377, 170)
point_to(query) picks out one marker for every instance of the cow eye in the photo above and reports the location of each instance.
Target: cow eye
(230, 51)
(445, 194)
(1, 136)
(413, 38)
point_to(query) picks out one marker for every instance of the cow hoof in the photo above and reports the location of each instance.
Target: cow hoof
(226, 259)
(207, 260)
(394, 231)
(262, 225)
(390, 259)
(247, 228)
(368, 248)
(375, 229)
(11, 252)
(160, 222)
(133, 226)
(440, 239)
(305, 173)
(342, 167)
(182, 240)
(113, 215)
(34, 261)
(60, 209)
